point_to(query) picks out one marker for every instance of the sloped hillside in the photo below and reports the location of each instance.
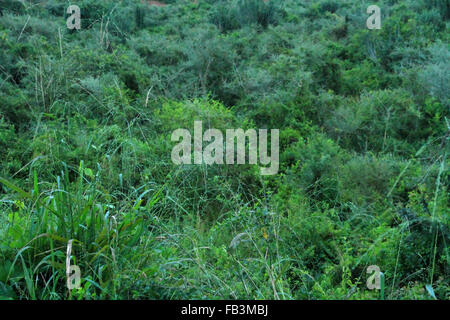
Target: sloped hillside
(87, 179)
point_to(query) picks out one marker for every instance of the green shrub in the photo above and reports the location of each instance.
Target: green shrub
(230, 16)
(436, 75)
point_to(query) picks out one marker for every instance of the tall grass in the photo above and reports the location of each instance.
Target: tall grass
(45, 221)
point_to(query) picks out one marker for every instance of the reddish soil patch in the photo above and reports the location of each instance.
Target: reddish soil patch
(154, 3)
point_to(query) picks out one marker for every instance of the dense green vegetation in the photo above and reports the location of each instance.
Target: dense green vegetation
(85, 123)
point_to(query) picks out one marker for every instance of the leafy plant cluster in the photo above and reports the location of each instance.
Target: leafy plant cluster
(85, 123)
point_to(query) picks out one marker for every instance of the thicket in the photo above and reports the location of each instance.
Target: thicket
(85, 124)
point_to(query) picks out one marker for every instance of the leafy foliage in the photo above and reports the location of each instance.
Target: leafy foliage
(85, 123)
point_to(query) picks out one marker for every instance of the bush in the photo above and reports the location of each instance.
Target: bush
(240, 13)
(386, 121)
(435, 76)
